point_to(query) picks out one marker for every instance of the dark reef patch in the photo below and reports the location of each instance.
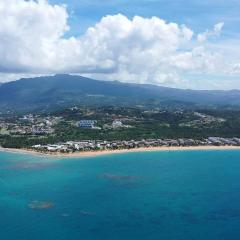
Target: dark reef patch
(38, 205)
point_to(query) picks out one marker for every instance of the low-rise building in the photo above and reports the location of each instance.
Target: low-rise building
(88, 124)
(117, 124)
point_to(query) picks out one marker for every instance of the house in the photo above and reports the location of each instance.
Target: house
(117, 124)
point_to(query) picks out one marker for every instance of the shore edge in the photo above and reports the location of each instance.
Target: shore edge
(109, 152)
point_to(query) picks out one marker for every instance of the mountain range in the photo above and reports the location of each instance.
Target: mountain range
(64, 90)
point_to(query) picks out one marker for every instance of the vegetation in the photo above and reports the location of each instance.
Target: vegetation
(137, 124)
(52, 92)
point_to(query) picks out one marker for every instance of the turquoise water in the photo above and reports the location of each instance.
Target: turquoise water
(154, 195)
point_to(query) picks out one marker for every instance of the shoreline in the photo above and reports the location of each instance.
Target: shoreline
(119, 151)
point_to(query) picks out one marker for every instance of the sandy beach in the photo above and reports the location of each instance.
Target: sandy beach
(108, 152)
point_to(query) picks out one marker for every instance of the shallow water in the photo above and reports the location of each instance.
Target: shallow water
(153, 195)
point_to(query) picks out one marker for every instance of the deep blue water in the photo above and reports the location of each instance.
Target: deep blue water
(183, 195)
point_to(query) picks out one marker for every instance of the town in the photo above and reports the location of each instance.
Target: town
(28, 125)
(85, 128)
(90, 145)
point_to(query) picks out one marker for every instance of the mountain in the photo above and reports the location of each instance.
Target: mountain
(68, 90)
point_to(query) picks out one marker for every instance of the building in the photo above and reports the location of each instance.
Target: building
(117, 124)
(87, 124)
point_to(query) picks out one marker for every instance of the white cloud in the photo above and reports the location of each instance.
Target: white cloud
(28, 32)
(202, 37)
(236, 68)
(144, 50)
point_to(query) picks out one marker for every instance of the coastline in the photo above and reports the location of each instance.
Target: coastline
(119, 151)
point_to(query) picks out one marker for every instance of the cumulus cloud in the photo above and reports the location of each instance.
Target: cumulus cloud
(144, 50)
(202, 37)
(29, 31)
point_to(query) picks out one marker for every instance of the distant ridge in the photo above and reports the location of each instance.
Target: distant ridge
(64, 90)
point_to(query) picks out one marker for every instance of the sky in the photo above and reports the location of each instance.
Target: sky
(177, 43)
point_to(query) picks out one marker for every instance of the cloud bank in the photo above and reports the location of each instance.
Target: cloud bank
(143, 50)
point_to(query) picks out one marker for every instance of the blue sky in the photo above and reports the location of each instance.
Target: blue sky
(197, 14)
(181, 43)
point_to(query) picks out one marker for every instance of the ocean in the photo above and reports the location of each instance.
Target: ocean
(177, 195)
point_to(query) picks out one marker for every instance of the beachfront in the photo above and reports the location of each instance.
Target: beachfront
(119, 151)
